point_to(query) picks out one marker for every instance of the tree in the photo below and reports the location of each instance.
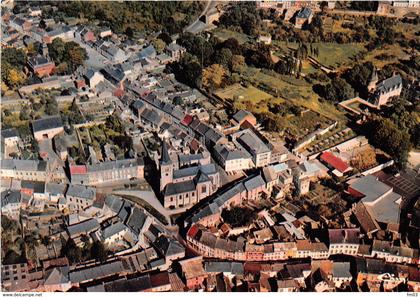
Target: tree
(15, 78)
(165, 37)
(98, 251)
(159, 45)
(213, 76)
(71, 251)
(238, 61)
(359, 77)
(233, 45)
(238, 216)
(51, 106)
(112, 122)
(177, 100)
(129, 32)
(364, 160)
(384, 134)
(56, 50)
(188, 70)
(224, 58)
(14, 57)
(198, 46)
(338, 90)
(76, 55)
(259, 56)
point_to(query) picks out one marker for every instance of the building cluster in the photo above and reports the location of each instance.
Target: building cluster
(138, 162)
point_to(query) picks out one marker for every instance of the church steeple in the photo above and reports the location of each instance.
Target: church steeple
(165, 159)
(166, 167)
(373, 80)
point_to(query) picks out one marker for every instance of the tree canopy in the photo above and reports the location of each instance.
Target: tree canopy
(384, 134)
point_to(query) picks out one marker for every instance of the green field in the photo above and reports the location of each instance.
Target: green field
(330, 54)
(224, 34)
(289, 88)
(239, 94)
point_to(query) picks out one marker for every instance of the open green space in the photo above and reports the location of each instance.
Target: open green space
(330, 54)
(224, 34)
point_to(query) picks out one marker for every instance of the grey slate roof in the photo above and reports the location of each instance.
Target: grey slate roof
(254, 183)
(304, 13)
(55, 189)
(147, 52)
(84, 227)
(151, 116)
(9, 133)
(236, 268)
(173, 47)
(370, 187)
(10, 197)
(136, 220)
(114, 203)
(125, 211)
(81, 192)
(165, 159)
(208, 169)
(240, 115)
(29, 165)
(138, 104)
(96, 272)
(37, 187)
(47, 123)
(389, 84)
(168, 246)
(112, 230)
(227, 154)
(57, 276)
(112, 165)
(252, 142)
(341, 269)
(179, 188)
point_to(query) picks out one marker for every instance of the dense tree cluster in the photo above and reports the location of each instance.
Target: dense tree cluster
(13, 62)
(335, 91)
(242, 16)
(359, 77)
(76, 254)
(383, 133)
(238, 216)
(131, 16)
(67, 55)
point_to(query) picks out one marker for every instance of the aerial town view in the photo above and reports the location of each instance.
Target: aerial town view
(210, 146)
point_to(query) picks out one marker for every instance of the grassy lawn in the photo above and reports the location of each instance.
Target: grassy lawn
(224, 34)
(391, 54)
(239, 94)
(13, 120)
(330, 54)
(289, 88)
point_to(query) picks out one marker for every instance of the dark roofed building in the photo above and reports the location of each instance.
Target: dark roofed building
(47, 128)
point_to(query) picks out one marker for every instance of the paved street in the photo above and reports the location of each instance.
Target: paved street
(197, 26)
(150, 197)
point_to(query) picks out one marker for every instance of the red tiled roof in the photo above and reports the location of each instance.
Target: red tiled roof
(159, 279)
(78, 169)
(193, 231)
(334, 162)
(55, 262)
(187, 120)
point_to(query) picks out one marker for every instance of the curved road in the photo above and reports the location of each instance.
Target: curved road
(150, 197)
(197, 26)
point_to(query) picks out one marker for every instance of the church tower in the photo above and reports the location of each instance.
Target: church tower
(373, 81)
(166, 167)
